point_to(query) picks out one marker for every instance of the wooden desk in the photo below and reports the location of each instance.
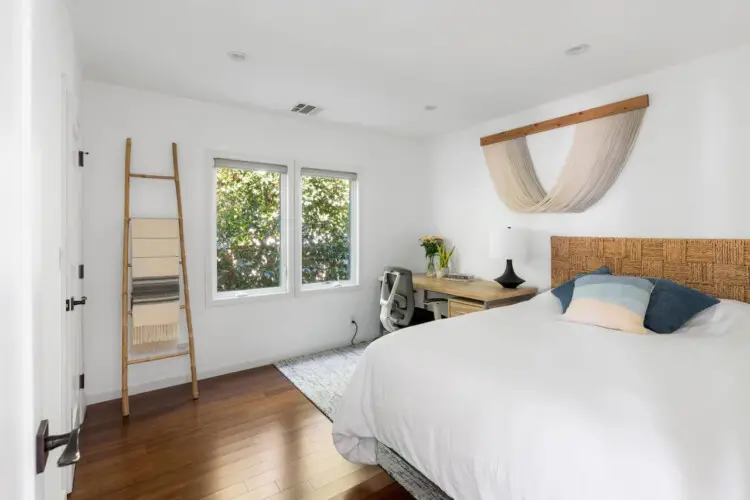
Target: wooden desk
(471, 296)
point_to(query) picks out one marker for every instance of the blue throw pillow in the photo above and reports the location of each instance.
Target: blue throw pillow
(615, 302)
(564, 292)
(672, 305)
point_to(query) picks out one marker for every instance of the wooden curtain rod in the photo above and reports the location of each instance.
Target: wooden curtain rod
(614, 108)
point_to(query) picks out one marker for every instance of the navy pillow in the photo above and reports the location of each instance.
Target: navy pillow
(564, 292)
(672, 305)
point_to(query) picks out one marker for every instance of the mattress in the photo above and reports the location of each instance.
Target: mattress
(515, 404)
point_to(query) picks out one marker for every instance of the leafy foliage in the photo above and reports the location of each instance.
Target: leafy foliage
(325, 229)
(248, 229)
(445, 255)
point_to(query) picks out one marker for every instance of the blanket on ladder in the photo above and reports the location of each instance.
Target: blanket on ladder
(155, 294)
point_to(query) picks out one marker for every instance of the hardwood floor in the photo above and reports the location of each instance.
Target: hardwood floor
(251, 435)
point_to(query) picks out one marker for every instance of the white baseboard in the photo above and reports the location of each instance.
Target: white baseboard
(93, 398)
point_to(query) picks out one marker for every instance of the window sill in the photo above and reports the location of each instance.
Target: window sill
(326, 288)
(236, 300)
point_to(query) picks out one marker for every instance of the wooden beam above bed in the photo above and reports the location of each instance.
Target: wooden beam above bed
(614, 108)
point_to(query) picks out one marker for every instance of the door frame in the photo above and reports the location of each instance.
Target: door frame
(70, 393)
(50, 334)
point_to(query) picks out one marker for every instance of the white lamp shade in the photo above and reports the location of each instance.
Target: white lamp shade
(509, 243)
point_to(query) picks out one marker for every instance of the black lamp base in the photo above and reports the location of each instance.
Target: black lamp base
(509, 279)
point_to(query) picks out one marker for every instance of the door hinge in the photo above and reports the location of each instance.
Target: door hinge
(80, 271)
(82, 381)
(80, 157)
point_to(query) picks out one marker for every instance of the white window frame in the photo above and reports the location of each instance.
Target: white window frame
(251, 163)
(327, 171)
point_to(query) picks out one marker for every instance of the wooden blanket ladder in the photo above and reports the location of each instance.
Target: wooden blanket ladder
(126, 267)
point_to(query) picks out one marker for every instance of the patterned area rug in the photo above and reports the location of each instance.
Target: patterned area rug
(323, 377)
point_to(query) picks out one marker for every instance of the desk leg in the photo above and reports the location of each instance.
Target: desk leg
(419, 298)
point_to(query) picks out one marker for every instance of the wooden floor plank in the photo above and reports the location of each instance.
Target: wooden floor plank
(233, 491)
(332, 474)
(250, 436)
(343, 484)
(366, 489)
(393, 491)
(265, 491)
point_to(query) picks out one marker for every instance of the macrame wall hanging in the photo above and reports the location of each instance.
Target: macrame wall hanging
(602, 142)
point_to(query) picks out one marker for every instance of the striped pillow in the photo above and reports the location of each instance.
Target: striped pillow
(616, 302)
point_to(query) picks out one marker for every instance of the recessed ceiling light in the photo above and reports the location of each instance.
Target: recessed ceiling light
(577, 50)
(237, 56)
(430, 107)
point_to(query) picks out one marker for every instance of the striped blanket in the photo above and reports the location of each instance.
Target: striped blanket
(155, 294)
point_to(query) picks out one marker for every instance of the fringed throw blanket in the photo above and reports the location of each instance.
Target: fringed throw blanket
(156, 284)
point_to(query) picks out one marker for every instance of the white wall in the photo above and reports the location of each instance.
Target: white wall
(16, 344)
(688, 175)
(36, 48)
(393, 214)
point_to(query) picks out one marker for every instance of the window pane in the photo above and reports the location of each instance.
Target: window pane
(326, 229)
(248, 229)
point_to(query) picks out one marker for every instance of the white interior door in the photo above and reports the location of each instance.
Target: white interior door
(72, 282)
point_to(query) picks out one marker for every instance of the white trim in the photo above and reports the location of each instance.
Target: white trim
(351, 174)
(328, 287)
(255, 166)
(285, 168)
(248, 158)
(240, 298)
(321, 172)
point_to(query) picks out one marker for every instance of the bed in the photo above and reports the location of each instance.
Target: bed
(514, 404)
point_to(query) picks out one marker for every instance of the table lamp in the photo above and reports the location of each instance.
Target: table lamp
(508, 243)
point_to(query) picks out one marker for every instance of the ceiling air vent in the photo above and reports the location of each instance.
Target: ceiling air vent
(305, 109)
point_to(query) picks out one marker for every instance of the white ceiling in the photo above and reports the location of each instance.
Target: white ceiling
(379, 62)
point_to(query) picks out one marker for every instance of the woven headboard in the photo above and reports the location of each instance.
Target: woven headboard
(720, 268)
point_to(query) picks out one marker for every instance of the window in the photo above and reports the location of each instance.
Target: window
(328, 229)
(250, 229)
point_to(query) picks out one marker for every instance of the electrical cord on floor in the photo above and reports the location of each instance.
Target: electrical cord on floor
(356, 329)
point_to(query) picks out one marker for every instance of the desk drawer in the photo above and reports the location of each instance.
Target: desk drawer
(459, 308)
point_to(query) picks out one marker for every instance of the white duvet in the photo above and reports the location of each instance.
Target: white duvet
(516, 404)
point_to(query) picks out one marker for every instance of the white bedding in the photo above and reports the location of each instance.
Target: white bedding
(514, 404)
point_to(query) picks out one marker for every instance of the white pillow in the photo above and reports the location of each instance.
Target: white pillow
(724, 317)
(544, 303)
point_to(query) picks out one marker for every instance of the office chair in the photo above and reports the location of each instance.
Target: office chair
(396, 298)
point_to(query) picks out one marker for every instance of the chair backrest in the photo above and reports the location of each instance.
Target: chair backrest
(402, 310)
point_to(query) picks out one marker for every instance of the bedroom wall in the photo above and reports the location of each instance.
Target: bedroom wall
(17, 389)
(36, 50)
(229, 338)
(688, 174)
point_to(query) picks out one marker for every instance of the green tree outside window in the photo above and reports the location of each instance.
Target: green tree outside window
(326, 229)
(248, 229)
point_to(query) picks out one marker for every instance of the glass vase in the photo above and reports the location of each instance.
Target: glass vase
(430, 265)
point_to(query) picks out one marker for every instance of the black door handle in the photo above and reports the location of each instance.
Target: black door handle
(71, 303)
(71, 454)
(44, 443)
